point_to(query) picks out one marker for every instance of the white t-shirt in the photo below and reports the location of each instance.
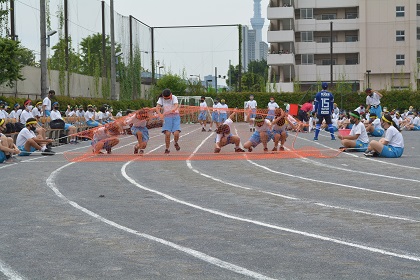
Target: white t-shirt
(80, 113)
(203, 106)
(223, 109)
(3, 114)
(88, 115)
(377, 124)
(168, 104)
(215, 107)
(229, 122)
(100, 134)
(71, 114)
(36, 112)
(264, 127)
(361, 130)
(15, 114)
(47, 103)
(24, 135)
(397, 120)
(394, 137)
(55, 115)
(416, 121)
(374, 100)
(24, 116)
(251, 104)
(273, 106)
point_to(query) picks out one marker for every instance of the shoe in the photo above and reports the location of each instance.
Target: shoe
(265, 149)
(281, 148)
(167, 152)
(343, 149)
(274, 149)
(250, 149)
(333, 138)
(315, 138)
(177, 147)
(250, 130)
(371, 154)
(108, 151)
(209, 130)
(203, 130)
(239, 150)
(141, 152)
(48, 152)
(49, 146)
(217, 150)
(253, 129)
(136, 150)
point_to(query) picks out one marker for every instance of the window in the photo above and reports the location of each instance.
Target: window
(307, 59)
(418, 10)
(306, 13)
(328, 16)
(351, 15)
(418, 57)
(307, 36)
(327, 62)
(351, 38)
(352, 61)
(400, 59)
(400, 35)
(327, 39)
(400, 11)
(418, 33)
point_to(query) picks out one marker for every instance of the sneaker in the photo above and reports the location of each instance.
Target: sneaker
(136, 150)
(274, 149)
(167, 152)
(344, 149)
(203, 130)
(253, 129)
(141, 152)
(250, 130)
(281, 148)
(265, 149)
(371, 154)
(239, 150)
(209, 130)
(217, 150)
(48, 152)
(333, 138)
(108, 151)
(250, 149)
(177, 147)
(315, 138)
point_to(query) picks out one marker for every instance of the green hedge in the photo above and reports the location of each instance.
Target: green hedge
(396, 99)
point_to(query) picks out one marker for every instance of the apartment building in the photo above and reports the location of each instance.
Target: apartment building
(375, 43)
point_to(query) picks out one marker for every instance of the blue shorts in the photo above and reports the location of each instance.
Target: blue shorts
(274, 132)
(171, 123)
(144, 132)
(202, 116)
(377, 132)
(416, 127)
(350, 126)
(2, 157)
(391, 152)
(24, 152)
(256, 139)
(66, 126)
(47, 113)
(92, 123)
(227, 139)
(222, 117)
(360, 146)
(215, 117)
(253, 114)
(270, 115)
(377, 111)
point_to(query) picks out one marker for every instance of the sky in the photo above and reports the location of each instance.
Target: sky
(192, 51)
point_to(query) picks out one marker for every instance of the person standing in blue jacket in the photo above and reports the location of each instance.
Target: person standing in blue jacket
(324, 101)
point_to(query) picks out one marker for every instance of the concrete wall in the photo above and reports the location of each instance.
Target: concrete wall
(80, 85)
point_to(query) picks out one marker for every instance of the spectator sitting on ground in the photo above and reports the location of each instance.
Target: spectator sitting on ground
(27, 142)
(80, 113)
(357, 140)
(374, 127)
(15, 112)
(415, 122)
(7, 147)
(119, 114)
(90, 117)
(27, 114)
(37, 111)
(3, 114)
(71, 129)
(397, 119)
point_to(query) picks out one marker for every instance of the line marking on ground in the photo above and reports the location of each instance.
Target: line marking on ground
(9, 272)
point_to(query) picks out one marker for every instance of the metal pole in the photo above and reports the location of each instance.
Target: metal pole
(104, 68)
(66, 39)
(331, 53)
(43, 33)
(113, 68)
(12, 20)
(215, 78)
(240, 59)
(153, 54)
(133, 75)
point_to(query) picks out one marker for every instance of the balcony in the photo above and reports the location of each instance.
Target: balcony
(280, 59)
(281, 36)
(326, 4)
(322, 72)
(280, 13)
(324, 25)
(324, 48)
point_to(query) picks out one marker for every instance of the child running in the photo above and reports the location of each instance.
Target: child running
(224, 136)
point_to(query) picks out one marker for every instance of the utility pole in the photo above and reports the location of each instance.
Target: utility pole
(215, 78)
(104, 61)
(114, 95)
(66, 39)
(331, 53)
(43, 33)
(12, 20)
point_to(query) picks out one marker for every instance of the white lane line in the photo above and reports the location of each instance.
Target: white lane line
(332, 183)
(307, 234)
(9, 272)
(191, 252)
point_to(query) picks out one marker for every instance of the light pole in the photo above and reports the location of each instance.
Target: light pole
(160, 67)
(368, 82)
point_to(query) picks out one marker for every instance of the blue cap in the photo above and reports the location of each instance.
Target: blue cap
(324, 85)
(55, 103)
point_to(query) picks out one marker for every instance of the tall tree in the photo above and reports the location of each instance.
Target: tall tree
(57, 61)
(233, 77)
(259, 67)
(11, 54)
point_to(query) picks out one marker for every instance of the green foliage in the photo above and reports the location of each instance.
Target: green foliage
(27, 57)
(57, 61)
(253, 82)
(259, 68)
(175, 83)
(11, 54)
(233, 75)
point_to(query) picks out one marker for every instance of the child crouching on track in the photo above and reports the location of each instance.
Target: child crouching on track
(262, 134)
(139, 122)
(224, 136)
(279, 130)
(103, 139)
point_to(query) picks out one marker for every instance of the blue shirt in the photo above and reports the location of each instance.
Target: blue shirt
(324, 102)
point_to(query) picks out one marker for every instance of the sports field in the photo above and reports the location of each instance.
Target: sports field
(341, 216)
